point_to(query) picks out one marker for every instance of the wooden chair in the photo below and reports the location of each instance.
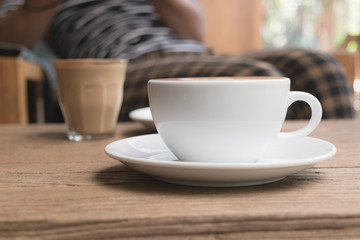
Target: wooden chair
(350, 63)
(15, 75)
(355, 39)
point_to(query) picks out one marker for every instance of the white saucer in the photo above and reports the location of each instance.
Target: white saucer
(143, 116)
(149, 154)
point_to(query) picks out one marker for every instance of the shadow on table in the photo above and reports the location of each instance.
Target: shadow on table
(123, 177)
(52, 134)
(138, 132)
(60, 134)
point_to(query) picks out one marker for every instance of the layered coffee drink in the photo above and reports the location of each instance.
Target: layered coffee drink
(90, 94)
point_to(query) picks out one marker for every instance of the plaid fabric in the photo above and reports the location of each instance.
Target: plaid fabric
(309, 71)
(314, 72)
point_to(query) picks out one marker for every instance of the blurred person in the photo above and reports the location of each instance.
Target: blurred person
(163, 39)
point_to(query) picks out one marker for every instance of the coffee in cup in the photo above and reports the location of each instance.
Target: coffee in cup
(225, 119)
(90, 93)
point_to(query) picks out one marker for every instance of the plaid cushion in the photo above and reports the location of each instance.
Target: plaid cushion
(309, 71)
(317, 73)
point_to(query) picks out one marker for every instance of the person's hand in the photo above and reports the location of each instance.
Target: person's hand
(185, 17)
(29, 22)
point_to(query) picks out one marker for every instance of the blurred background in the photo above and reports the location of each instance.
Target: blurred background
(328, 25)
(318, 24)
(236, 26)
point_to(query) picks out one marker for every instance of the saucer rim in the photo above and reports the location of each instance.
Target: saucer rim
(145, 119)
(218, 165)
(134, 114)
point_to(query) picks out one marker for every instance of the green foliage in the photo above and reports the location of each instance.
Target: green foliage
(318, 24)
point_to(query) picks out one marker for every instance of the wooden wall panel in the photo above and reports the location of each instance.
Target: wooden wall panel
(233, 25)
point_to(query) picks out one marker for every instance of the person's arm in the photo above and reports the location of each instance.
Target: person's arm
(184, 17)
(28, 23)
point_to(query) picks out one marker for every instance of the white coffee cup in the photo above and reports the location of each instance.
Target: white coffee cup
(225, 119)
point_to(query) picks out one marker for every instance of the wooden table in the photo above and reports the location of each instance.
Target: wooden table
(51, 188)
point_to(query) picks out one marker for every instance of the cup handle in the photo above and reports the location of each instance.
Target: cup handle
(316, 114)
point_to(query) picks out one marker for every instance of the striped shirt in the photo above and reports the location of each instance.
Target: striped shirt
(9, 5)
(113, 29)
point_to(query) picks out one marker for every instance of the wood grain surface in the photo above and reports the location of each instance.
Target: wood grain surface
(51, 188)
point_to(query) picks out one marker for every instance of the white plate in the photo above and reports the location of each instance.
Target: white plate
(149, 154)
(143, 115)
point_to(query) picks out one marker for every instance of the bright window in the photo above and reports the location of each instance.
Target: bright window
(317, 24)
